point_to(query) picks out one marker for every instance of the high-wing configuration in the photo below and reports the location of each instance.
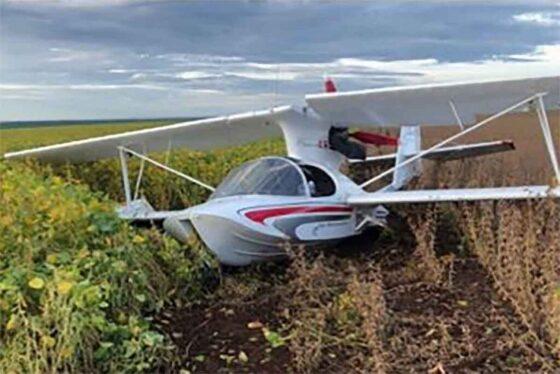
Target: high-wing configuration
(433, 104)
(304, 197)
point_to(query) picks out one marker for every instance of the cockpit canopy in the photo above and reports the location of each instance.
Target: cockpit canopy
(275, 176)
(266, 176)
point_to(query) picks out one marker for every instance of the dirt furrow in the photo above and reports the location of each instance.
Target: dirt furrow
(455, 322)
(460, 325)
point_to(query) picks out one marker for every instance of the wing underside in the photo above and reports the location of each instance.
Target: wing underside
(433, 104)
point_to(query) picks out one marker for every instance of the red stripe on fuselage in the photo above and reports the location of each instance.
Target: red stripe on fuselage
(262, 214)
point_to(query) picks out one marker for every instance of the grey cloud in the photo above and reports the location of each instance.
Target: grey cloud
(193, 51)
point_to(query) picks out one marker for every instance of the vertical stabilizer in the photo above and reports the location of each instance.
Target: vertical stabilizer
(410, 143)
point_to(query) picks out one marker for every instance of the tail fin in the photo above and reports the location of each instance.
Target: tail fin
(410, 143)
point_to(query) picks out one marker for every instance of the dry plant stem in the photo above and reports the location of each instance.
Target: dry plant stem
(424, 229)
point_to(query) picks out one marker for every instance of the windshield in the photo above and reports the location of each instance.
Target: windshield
(268, 176)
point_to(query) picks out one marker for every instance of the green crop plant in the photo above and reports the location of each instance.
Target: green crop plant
(76, 282)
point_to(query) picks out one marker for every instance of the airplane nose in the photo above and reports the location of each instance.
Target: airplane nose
(181, 230)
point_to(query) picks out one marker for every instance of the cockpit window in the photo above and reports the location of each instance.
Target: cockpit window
(267, 176)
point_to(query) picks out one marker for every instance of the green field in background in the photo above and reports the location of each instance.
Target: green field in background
(13, 139)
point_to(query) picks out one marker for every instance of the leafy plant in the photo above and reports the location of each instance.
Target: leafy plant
(273, 338)
(76, 283)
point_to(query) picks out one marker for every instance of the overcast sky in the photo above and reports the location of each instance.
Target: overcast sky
(85, 59)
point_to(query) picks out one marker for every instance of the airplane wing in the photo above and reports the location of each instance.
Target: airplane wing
(460, 194)
(203, 134)
(455, 152)
(430, 104)
(378, 107)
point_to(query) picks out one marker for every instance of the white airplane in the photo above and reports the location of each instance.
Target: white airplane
(304, 198)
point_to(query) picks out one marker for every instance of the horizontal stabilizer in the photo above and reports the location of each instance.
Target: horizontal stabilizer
(470, 150)
(460, 194)
(446, 154)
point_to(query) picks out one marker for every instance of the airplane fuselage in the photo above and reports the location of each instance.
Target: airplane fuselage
(268, 205)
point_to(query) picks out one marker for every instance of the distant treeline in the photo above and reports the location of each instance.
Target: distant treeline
(30, 124)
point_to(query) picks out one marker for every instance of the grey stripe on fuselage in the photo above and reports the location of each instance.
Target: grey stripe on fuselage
(289, 225)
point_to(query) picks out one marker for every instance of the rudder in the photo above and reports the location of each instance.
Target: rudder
(410, 144)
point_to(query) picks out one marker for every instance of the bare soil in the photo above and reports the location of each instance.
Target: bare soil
(461, 325)
(212, 337)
